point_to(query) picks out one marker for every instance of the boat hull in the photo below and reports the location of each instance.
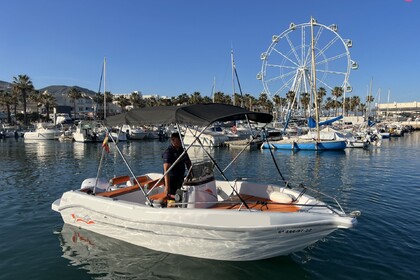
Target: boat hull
(204, 233)
(306, 145)
(35, 135)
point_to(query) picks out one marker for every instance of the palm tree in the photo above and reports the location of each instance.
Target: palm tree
(195, 98)
(354, 104)
(252, 102)
(362, 107)
(122, 102)
(219, 97)
(109, 99)
(23, 86)
(238, 99)
(151, 101)
(227, 99)
(277, 104)
(347, 105)
(277, 100)
(135, 99)
(291, 97)
(320, 97)
(174, 100)
(369, 100)
(262, 100)
(74, 94)
(98, 101)
(48, 100)
(265, 102)
(183, 99)
(337, 92)
(207, 99)
(6, 99)
(15, 94)
(329, 104)
(35, 97)
(305, 99)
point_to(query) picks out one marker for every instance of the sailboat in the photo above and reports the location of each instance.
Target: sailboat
(311, 141)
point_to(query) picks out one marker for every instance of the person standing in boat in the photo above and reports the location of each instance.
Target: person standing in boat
(175, 177)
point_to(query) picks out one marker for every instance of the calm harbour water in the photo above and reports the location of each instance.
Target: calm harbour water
(383, 183)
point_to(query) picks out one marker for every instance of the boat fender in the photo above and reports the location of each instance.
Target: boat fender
(281, 197)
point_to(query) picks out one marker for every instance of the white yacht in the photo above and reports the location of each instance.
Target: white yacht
(211, 137)
(87, 131)
(134, 132)
(43, 131)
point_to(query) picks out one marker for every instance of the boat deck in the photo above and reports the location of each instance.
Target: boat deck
(255, 203)
(231, 203)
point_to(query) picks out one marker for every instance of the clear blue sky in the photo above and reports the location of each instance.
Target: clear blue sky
(169, 47)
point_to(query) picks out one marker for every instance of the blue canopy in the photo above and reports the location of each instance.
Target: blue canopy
(312, 122)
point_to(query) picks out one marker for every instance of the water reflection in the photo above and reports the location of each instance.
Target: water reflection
(108, 258)
(38, 149)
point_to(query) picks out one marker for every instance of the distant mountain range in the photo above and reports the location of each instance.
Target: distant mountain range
(54, 90)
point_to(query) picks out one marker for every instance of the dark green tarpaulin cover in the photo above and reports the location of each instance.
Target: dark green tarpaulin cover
(196, 114)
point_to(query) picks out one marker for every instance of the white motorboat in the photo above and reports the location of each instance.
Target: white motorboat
(133, 132)
(235, 220)
(352, 141)
(43, 131)
(87, 131)
(209, 137)
(118, 134)
(8, 131)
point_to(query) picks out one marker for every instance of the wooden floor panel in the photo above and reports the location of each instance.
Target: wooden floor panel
(255, 203)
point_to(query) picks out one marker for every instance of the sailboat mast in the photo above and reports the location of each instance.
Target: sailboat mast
(104, 88)
(233, 76)
(214, 88)
(387, 105)
(314, 79)
(369, 98)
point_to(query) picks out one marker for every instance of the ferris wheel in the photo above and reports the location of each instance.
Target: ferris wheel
(287, 65)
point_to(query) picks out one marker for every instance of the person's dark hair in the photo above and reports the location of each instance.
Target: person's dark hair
(175, 135)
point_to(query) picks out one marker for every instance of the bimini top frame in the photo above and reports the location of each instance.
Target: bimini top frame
(197, 114)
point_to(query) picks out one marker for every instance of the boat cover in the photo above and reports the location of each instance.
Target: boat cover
(312, 122)
(195, 114)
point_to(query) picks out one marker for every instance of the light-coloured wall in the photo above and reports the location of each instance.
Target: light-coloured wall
(401, 106)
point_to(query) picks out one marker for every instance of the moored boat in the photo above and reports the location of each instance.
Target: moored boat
(43, 131)
(209, 137)
(236, 220)
(296, 143)
(134, 133)
(87, 131)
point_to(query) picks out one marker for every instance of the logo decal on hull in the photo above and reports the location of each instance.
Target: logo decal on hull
(86, 219)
